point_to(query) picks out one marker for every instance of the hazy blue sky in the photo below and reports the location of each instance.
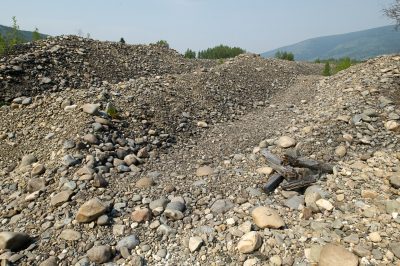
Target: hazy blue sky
(255, 25)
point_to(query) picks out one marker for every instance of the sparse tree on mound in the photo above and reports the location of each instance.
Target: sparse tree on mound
(284, 55)
(327, 69)
(393, 12)
(220, 52)
(190, 54)
(36, 35)
(163, 43)
(122, 40)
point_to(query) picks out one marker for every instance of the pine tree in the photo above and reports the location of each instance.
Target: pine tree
(190, 54)
(327, 69)
(36, 35)
(122, 40)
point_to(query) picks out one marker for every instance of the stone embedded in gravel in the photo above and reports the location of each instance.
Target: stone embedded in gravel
(202, 124)
(103, 220)
(375, 237)
(69, 160)
(285, 142)
(100, 254)
(204, 171)
(265, 217)
(70, 235)
(51, 261)
(60, 198)
(266, 170)
(90, 211)
(395, 180)
(195, 243)
(249, 242)
(395, 248)
(90, 138)
(36, 184)
(131, 159)
(38, 169)
(392, 126)
(333, 255)
(173, 214)
(129, 242)
(91, 109)
(295, 202)
(141, 215)
(99, 181)
(27, 160)
(145, 182)
(221, 206)
(14, 241)
(310, 198)
(341, 151)
(324, 204)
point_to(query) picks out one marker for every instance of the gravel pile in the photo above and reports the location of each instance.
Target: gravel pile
(165, 167)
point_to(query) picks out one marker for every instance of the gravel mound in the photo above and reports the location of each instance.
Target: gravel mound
(164, 167)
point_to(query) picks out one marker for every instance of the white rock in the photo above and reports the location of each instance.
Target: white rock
(249, 242)
(286, 142)
(195, 243)
(324, 204)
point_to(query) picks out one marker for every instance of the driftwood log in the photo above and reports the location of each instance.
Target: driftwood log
(293, 171)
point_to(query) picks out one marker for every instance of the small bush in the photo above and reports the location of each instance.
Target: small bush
(122, 40)
(163, 43)
(284, 55)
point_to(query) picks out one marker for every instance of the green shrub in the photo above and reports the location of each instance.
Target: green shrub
(36, 35)
(221, 51)
(190, 54)
(284, 55)
(122, 40)
(327, 69)
(163, 43)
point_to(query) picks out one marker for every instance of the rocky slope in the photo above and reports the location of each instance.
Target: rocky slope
(164, 166)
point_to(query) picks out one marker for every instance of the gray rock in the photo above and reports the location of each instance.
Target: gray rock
(90, 211)
(69, 144)
(395, 180)
(91, 109)
(295, 202)
(61, 197)
(129, 242)
(221, 206)
(99, 254)
(28, 160)
(395, 248)
(70, 235)
(161, 202)
(51, 261)
(36, 184)
(176, 205)
(69, 160)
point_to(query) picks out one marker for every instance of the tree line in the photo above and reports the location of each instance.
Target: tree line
(217, 52)
(14, 37)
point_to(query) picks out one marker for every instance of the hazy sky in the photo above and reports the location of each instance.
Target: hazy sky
(255, 25)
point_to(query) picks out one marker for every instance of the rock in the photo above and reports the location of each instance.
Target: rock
(60, 198)
(375, 237)
(311, 197)
(249, 242)
(195, 243)
(332, 255)
(145, 182)
(265, 217)
(275, 261)
(99, 254)
(221, 206)
(129, 242)
(392, 126)
(38, 169)
(131, 159)
(36, 184)
(341, 151)
(141, 215)
(143, 153)
(395, 180)
(295, 202)
(14, 241)
(99, 181)
(90, 211)
(265, 170)
(28, 160)
(69, 160)
(91, 109)
(51, 261)
(91, 139)
(395, 248)
(103, 220)
(324, 204)
(70, 235)
(173, 214)
(285, 142)
(202, 124)
(204, 171)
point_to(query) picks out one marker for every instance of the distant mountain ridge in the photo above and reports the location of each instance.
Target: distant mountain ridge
(358, 45)
(26, 35)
